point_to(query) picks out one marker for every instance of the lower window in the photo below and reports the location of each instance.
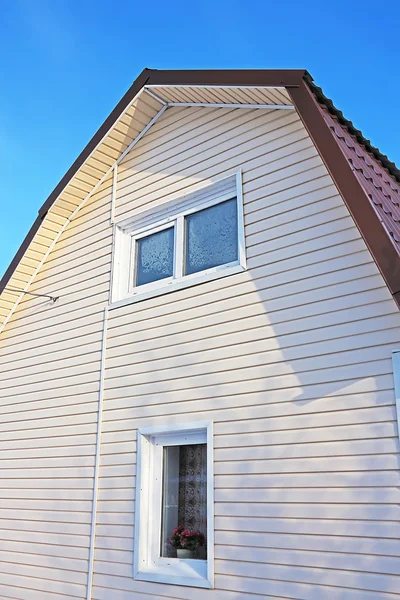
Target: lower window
(174, 506)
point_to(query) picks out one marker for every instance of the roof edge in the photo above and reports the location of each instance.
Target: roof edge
(322, 99)
(372, 231)
(20, 252)
(252, 77)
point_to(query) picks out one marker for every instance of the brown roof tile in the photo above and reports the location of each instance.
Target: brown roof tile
(381, 187)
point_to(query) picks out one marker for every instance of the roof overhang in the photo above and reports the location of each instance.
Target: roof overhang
(151, 94)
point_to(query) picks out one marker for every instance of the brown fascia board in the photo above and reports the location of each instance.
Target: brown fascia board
(20, 252)
(356, 200)
(304, 100)
(252, 77)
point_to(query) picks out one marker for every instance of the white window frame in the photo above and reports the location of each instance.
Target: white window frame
(396, 377)
(148, 565)
(172, 214)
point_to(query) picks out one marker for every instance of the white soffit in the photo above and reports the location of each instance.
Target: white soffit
(245, 95)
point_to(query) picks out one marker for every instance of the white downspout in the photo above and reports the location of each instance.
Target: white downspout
(97, 456)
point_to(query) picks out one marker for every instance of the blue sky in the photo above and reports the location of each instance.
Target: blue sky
(64, 64)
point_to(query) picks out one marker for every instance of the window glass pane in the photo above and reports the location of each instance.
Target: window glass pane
(211, 237)
(155, 256)
(184, 502)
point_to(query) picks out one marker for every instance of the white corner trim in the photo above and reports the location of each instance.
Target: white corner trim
(215, 87)
(240, 212)
(114, 194)
(210, 502)
(140, 135)
(154, 95)
(396, 377)
(231, 105)
(97, 456)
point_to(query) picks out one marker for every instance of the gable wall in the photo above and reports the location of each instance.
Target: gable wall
(291, 359)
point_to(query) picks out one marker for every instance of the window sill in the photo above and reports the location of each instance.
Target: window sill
(174, 578)
(180, 284)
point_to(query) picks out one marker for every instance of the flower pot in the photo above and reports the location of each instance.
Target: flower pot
(184, 553)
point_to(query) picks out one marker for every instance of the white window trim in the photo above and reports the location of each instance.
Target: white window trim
(186, 572)
(396, 377)
(126, 234)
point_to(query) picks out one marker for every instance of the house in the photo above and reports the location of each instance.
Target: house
(200, 330)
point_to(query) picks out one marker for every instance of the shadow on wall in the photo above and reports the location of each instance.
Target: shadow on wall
(304, 419)
(292, 362)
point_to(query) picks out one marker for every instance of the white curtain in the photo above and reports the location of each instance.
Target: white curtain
(192, 508)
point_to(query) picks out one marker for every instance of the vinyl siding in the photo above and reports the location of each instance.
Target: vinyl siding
(291, 359)
(49, 380)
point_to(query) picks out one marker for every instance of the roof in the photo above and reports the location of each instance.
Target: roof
(366, 179)
(377, 174)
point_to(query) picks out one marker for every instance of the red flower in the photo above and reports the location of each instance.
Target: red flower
(185, 538)
(177, 529)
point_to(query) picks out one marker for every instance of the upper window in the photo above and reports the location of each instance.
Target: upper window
(174, 505)
(187, 241)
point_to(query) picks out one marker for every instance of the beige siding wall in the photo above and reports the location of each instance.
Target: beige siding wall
(291, 359)
(49, 380)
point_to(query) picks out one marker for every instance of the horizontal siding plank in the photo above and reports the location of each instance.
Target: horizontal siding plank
(313, 449)
(41, 551)
(311, 526)
(369, 462)
(309, 542)
(58, 569)
(277, 579)
(33, 492)
(41, 585)
(375, 514)
(331, 480)
(332, 495)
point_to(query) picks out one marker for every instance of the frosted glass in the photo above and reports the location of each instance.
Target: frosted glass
(155, 257)
(211, 237)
